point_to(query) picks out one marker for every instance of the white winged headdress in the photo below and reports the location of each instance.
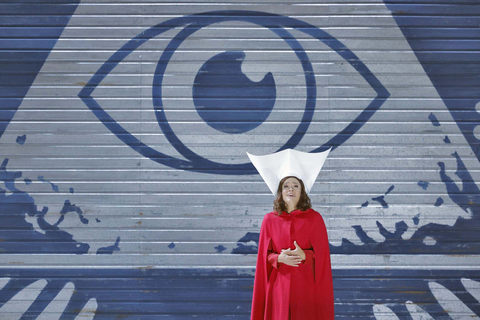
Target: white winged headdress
(273, 167)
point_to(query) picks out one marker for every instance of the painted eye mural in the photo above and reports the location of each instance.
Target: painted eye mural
(224, 97)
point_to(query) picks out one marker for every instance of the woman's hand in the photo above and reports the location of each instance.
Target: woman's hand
(298, 250)
(288, 258)
(292, 257)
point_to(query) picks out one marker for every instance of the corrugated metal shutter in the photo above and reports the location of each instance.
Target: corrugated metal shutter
(127, 190)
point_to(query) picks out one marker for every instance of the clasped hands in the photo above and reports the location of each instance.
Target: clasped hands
(292, 257)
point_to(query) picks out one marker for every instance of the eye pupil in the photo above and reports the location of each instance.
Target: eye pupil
(219, 92)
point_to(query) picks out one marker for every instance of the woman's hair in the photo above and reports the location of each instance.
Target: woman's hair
(303, 204)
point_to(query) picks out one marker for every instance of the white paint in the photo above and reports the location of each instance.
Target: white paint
(451, 303)
(416, 312)
(3, 282)
(19, 304)
(476, 132)
(473, 287)
(429, 241)
(88, 311)
(382, 312)
(55, 308)
(34, 222)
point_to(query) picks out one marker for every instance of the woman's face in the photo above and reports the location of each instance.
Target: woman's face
(291, 191)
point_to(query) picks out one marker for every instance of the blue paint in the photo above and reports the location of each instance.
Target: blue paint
(17, 59)
(461, 198)
(71, 190)
(438, 202)
(452, 65)
(446, 140)
(41, 7)
(227, 100)
(220, 248)
(433, 120)
(68, 207)
(381, 200)
(171, 245)
(97, 220)
(469, 196)
(27, 181)
(151, 293)
(362, 235)
(454, 239)
(19, 236)
(21, 139)
(54, 186)
(400, 228)
(193, 23)
(200, 21)
(416, 219)
(110, 249)
(242, 248)
(390, 189)
(423, 184)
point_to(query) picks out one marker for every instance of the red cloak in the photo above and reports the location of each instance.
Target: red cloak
(282, 292)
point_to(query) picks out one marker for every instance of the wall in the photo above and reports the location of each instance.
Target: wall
(127, 191)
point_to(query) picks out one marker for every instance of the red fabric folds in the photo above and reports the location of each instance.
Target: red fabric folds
(283, 292)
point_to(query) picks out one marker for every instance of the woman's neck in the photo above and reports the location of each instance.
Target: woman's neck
(289, 210)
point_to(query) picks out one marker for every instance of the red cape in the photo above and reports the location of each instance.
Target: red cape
(282, 292)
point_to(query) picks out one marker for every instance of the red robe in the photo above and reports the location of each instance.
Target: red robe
(282, 292)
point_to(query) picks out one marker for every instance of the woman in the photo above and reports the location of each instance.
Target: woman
(293, 277)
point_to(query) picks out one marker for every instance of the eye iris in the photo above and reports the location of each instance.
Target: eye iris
(227, 100)
(196, 22)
